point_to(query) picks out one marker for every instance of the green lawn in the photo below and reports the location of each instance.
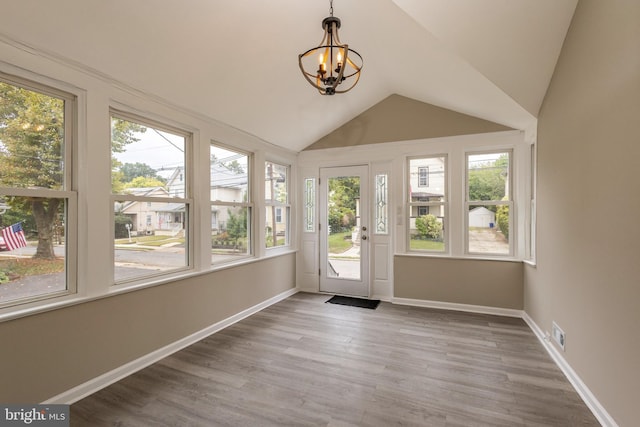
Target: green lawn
(13, 268)
(338, 244)
(426, 245)
(156, 240)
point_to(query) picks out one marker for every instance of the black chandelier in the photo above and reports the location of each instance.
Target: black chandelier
(337, 64)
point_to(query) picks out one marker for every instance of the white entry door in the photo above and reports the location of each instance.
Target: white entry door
(344, 231)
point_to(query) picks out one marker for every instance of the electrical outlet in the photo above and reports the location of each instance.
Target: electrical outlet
(558, 335)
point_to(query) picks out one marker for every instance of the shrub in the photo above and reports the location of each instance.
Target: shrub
(121, 222)
(428, 226)
(502, 219)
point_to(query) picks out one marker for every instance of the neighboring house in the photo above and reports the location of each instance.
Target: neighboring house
(148, 217)
(226, 185)
(427, 184)
(482, 217)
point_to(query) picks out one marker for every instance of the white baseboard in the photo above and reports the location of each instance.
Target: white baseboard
(384, 298)
(73, 395)
(589, 399)
(508, 312)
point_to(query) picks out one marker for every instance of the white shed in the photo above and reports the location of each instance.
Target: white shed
(481, 217)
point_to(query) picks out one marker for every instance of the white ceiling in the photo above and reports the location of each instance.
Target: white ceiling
(236, 61)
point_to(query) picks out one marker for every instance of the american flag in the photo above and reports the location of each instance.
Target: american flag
(14, 237)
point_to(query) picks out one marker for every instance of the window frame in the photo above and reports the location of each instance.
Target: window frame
(309, 201)
(510, 203)
(68, 193)
(422, 169)
(530, 249)
(248, 204)
(187, 200)
(444, 204)
(272, 203)
(381, 217)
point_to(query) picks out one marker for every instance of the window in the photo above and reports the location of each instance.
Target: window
(382, 208)
(309, 205)
(531, 224)
(151, 203)
(427, 209)
(423, 176)
(489, 203)
(37, 201)
(276, 196)
(231, 207)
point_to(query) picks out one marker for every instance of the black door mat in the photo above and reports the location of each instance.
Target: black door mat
(354, 302)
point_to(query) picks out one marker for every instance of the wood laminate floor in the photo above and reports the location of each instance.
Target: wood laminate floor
(302, 362)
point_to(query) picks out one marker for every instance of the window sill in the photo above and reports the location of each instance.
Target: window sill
(467, 257)
(56, 303)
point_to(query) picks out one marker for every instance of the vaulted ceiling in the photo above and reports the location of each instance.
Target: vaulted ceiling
(236, 60)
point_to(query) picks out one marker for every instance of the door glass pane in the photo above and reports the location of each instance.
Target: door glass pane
(381, 218)
(344, 229)
(309, 205)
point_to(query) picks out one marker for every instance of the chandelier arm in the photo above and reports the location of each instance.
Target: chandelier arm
(350, 87)
(307, 76)
(355, 67)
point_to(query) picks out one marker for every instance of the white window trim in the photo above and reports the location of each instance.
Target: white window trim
(510, 203)
(309, 219)
(272, 250)
(531, 214)
(249, 204)
(187, 200)
(444, 204)
(69, 192)
(420, 170)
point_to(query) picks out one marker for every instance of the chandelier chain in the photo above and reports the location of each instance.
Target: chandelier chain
(331, 7)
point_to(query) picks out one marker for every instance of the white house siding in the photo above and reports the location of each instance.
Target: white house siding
(481, 217)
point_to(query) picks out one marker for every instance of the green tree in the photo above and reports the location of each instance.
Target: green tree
(343, 195)
(502, 219)
(428, 226)
(123, 133)
(121, 221)
(487, 181)
(32, 139)
(144, 182)
(237, 225)
(31, 154)
(133, 170)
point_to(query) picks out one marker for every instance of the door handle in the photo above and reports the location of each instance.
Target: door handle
(364, 237)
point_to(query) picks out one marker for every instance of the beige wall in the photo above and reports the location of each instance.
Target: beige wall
(460, 281)
(398, 118)
(588, 273)
(54, 351)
